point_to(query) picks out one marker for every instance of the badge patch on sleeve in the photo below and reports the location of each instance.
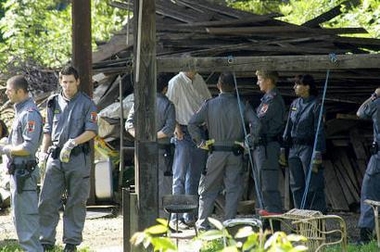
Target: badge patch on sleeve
(264, 109)
(94, 117)
(31, 126)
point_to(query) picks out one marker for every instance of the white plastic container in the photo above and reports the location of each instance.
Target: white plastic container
(103, 180)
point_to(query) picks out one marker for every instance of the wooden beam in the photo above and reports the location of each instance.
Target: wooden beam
(146, 151)
(280, 63)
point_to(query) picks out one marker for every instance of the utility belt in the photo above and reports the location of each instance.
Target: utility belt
(235, 149)
(302, 141)
(29, 166)
(55, 150)
(374, 148)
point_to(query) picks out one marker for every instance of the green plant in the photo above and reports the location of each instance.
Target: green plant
(220, 239)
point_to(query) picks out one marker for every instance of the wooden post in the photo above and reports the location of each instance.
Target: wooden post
(82, 61)
(146, 151)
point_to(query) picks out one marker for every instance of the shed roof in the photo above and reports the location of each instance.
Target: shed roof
(195, 34)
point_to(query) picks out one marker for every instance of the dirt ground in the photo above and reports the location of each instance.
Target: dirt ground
(103, 229)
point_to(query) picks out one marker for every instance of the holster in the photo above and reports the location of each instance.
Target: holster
(22, 172)
(168, 156)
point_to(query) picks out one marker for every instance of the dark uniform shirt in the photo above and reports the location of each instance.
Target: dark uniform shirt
(303, 122)
(271, 113)
(372, 111)
(165, 117)
(26, 129)
(67, 119)
(223, 120)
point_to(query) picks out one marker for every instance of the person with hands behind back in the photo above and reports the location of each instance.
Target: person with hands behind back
(20, 149)
(224, 166)
(71, 122)
(299, 134)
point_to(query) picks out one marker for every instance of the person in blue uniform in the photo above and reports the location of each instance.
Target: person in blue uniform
(71, 122)
(20, 149)
(370, 109)
(267, 147)
(222, 116)
(165, 124)
(300, 131)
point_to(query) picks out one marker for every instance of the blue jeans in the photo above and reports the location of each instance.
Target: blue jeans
(188, 165)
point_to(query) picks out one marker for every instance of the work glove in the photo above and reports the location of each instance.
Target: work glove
(206, 144)
(42, 159)
(64, 156)
(317, 161)
(282, 160)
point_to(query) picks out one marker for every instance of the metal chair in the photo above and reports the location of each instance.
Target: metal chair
(375, 206)
(178, 204)
(312, 225)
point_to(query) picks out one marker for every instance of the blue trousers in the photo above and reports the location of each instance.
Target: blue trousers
(299, 165)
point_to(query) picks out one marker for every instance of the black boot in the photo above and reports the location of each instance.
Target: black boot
(365, 236)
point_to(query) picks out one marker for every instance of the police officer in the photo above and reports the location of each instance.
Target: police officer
(299, 134)
(165, 124)
(222, 116)
(21, 147)
(370, 109)
(71, 122)
(266, 150)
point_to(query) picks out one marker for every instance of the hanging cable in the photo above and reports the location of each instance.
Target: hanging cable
(255, 172)
(309, 173)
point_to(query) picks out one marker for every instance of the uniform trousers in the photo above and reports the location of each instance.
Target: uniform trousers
(299, 165)
(75, 177)
(25, 212)
(266, 163)
(223, 171)
(370, 190)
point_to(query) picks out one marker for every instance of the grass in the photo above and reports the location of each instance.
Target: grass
(370, 247)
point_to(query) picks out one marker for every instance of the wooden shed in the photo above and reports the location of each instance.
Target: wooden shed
(209, 38)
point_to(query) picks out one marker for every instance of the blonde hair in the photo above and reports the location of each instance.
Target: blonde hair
(268, 74)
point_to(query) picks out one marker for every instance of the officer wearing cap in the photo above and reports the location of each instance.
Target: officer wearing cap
(71, 122)
(20, 150)
(370, 109)
(299, 134)
(222, 117)
(266, 150)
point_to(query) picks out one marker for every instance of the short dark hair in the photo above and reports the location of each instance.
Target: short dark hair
(227, 81)
(163, 80)
(18, 82)
(305, 80)
(69, 70)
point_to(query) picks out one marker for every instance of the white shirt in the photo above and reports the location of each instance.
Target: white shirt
(187, 95)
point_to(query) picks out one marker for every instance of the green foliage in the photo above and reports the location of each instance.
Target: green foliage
(41, 30)
(220, 240)
(256, 6)
(366, 14)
